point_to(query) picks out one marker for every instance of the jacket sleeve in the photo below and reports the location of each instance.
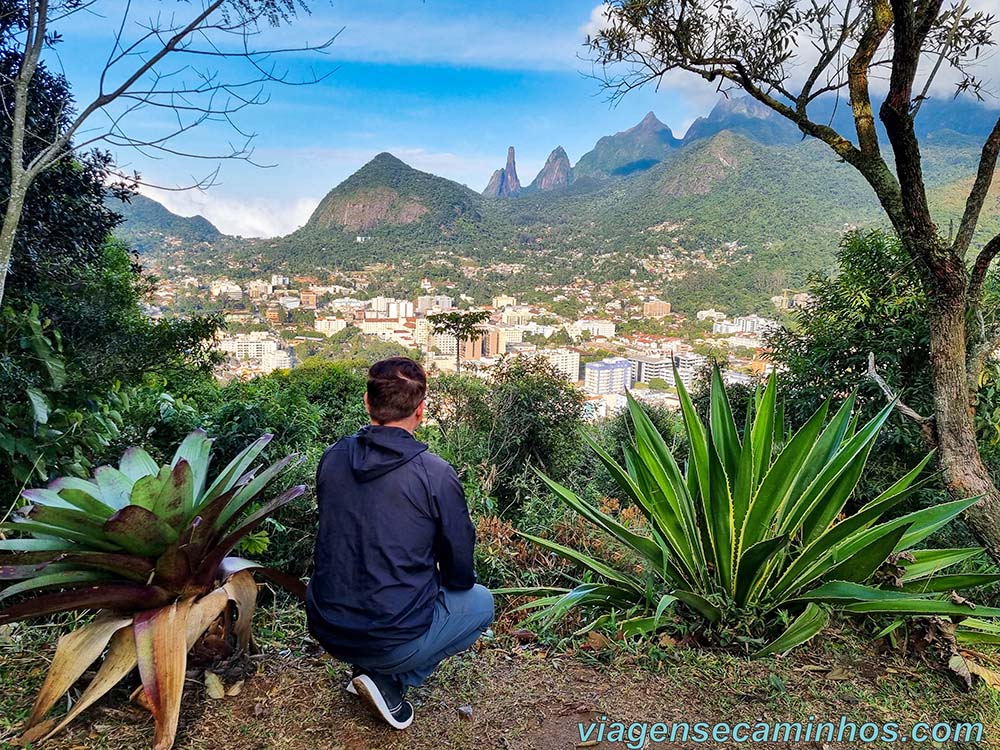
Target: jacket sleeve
(456, 536)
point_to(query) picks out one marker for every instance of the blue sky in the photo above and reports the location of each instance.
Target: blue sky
(447, 86)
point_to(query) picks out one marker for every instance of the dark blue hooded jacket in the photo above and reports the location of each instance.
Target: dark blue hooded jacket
(393, 528)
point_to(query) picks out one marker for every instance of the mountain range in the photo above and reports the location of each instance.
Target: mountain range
(737, 209)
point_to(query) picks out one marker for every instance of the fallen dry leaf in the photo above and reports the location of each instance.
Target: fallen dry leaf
(597, 641)
(214, 686)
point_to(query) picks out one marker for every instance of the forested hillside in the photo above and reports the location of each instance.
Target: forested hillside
(740, 209)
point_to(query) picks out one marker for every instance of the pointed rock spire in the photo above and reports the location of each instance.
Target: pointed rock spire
(504, 181)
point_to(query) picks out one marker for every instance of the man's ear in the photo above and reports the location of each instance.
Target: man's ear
(368, 407)
(419, 413)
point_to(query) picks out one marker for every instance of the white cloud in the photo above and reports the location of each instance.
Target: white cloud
(248, 217)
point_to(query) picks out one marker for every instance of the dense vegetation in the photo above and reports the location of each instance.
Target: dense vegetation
(147, 225)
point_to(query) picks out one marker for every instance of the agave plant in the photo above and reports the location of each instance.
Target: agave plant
(150, 548)
(754, 531)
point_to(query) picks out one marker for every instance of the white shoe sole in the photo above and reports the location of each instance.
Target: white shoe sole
(369, 691)
(349, 687)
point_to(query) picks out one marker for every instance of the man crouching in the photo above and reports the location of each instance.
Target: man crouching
(394, 590)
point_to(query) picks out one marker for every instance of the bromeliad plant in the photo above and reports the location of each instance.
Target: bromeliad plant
(753, 533)
(150, 547)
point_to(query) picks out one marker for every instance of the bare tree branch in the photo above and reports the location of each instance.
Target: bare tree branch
(975, 201)
(892, 397)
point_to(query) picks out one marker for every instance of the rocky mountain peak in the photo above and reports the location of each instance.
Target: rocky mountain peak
(504, 181)
(556, 173)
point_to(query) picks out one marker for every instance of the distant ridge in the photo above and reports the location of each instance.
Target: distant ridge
(148, 225)
(628, 152)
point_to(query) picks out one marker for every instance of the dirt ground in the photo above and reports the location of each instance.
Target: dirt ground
(518, 697)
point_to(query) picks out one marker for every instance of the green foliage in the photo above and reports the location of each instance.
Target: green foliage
(751, 535)
(461, 325)
(523, 416)
(350, 345)
(136, 536)
(873, 304)
(151, 546)
(46, 426)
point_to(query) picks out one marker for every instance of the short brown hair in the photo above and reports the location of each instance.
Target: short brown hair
(396, 386)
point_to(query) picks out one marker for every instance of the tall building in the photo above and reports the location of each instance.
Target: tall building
(259, 289)
(279, 359)
(498, 339)
(426, 302)
(646, 368)
(400, 309)
(655, 309)
(689, 367)
(227, 289)
(380, 306)
(754, 324)
(566, 361)
(504, 300)
(611, 375)
(474, 348)
(278, 280)
(710, 314)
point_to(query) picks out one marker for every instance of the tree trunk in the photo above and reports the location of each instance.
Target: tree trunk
(964, 472)
(12, 217)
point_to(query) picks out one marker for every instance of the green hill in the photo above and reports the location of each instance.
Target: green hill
(628, 152)
(148, 226)
(384, 209)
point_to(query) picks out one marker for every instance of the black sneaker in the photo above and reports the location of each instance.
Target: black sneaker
(385, 695)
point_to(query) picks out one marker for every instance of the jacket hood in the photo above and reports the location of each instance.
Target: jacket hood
(376, 450)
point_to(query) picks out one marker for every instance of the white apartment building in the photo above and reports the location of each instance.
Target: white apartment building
(566, 361)
(428, 302)
(380, 305)
(444, 343)
(248, 345)
(710, 314)
(329, 325)
(400, 309)
(276, 360)
(646, 368)
(754, 324)
(611, 375)
(689, 366)
(278, 280)
(259, 289)
(225, 288)
(725, 327)
(596, 328)
(504, 300)
(516, 316)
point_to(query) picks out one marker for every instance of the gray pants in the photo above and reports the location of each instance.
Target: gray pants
(460, 617)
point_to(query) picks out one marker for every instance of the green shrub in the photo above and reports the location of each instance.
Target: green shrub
(752, 537)
(151, 547)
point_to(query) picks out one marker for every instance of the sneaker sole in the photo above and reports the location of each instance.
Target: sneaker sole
(349, 687)
(367, 690)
